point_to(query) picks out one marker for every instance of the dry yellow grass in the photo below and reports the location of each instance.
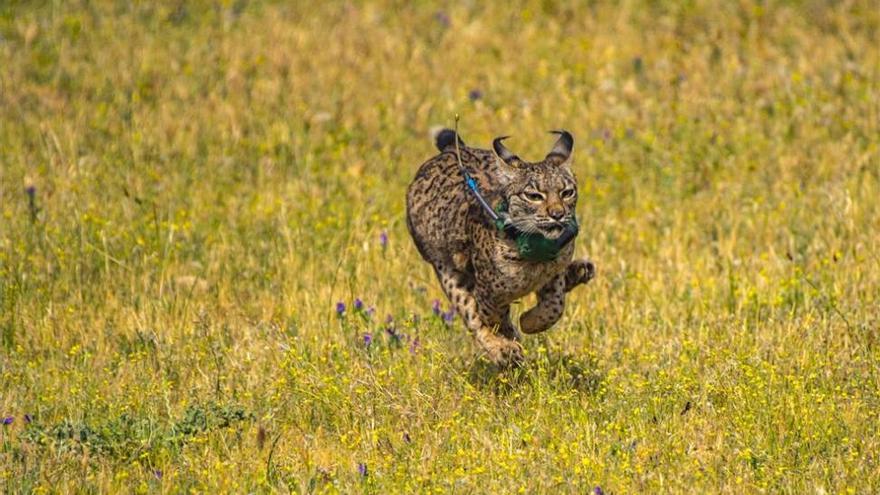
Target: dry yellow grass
(208, 181)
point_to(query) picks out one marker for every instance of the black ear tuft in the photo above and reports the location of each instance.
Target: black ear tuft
(505, 154)
(446, 139)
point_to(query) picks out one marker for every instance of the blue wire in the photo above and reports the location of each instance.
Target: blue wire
(472, 184)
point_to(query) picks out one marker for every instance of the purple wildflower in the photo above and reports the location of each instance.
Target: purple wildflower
(442, 18)
(435, 307)
(414, 346)
(157, 473)
(358, 304)
(475, 94)
(368, 339)
(449, 316)
(31, 192)
(8, 420)
(597, 490)
(340, 308)
(28, 419)
(362, 469)
(383, 239)
(371, 311)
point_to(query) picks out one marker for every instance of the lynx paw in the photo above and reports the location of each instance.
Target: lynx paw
(579, 272)
(501, 350)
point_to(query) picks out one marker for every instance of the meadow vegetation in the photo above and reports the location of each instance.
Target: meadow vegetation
(189, 190)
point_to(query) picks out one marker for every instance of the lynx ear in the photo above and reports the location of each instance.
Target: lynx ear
(561, 152)
(503, 153)
(508, 163)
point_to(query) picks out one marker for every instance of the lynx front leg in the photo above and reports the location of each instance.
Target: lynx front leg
(551, 303)
(492, 328)
(551, 297)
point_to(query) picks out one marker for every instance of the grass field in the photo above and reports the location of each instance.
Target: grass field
(187, 191)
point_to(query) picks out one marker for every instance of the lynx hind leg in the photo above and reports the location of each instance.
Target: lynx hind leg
(548, 310)
(579, 272)
(495, 334)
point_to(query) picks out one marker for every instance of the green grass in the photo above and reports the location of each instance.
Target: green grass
(208, 181)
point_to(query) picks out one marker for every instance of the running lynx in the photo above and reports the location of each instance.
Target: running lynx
(481, 267)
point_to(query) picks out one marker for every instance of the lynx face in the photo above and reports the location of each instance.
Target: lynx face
(541, 196)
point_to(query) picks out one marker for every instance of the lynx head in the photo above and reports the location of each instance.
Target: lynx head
(541, 196)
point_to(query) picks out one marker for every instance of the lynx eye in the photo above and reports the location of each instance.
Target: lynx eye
(567, 194)
(533, 196)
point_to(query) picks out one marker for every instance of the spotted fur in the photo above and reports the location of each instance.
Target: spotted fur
(479, 268)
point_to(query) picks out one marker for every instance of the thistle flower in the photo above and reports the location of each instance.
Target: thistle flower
(340, 308)
(371, 311)
(383, 239)
(362, 469)
(8, 420)
(28, 419)
(358, 304)
(598, 491)
(368, 339)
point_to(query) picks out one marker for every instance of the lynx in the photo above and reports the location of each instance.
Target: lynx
(456, 206)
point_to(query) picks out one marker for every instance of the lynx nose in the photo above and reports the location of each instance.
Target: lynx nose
(556, 213)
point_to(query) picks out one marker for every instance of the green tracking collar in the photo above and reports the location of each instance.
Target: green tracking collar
(534, 246)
